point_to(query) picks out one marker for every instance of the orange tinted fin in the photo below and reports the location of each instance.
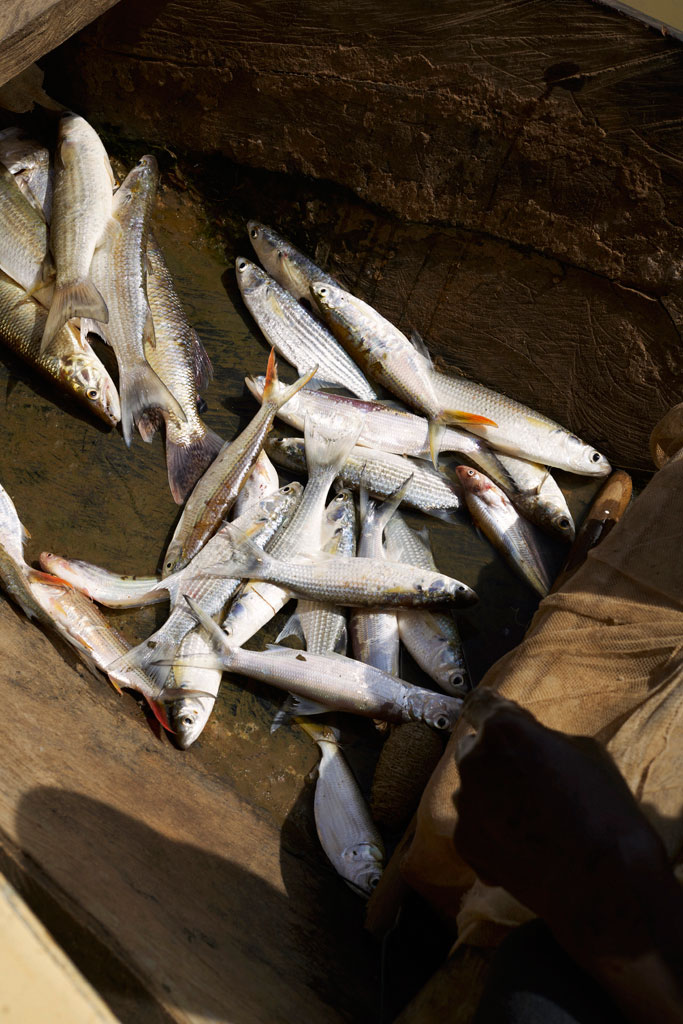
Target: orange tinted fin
(37, 576)
(271, 375)
(458, 416)
(159, 712)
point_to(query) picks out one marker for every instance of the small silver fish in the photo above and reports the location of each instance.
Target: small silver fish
(290, 268)
(493, 512)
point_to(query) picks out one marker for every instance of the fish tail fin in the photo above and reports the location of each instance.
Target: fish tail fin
(140, 389)
(246, 561)
(215, 632)
(186, 463)
(388, 507)
(78, 299)
(329, 445)
(295, 706)
(270, 388)
(292, 627)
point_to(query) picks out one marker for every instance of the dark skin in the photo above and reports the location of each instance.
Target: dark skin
(550, 818)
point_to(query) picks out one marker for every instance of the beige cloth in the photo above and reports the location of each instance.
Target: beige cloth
(603, 657)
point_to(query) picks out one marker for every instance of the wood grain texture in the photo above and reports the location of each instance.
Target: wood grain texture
(31, 28)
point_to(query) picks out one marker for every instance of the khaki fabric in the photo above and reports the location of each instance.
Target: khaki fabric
(603, 657)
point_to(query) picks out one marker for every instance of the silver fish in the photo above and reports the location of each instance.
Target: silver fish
(29, 162)
(296, 335)
(389, 358)
(216, 491)
(493, 512)
(180, 361)
(119, 269)
(432, 638)
(336, 682)
(262, 481)
(70, 362)
(521, 431)
(357, 582)
(326, 450)
(23, 240)
(382, 473)
(346, 831)
(290, 268)
(535, 493)
(81, 214)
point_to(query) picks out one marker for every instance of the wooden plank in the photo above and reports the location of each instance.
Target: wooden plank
(31, 28)
(39, 982)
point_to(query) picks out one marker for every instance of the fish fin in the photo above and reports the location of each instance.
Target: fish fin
(292, 627)
(247, 561)
(304, 706)
(141, 389)
(203, 370)
(78, 299)
(148, 424)
(148, 333)
(284, 715)
(270, 386)
(342, 642)
(90, 326)
(316, 384)
(458, 416)
(436, 431)
(420, 346)
(328, 446)
(111, 234)
(446, 515)
(204, 619)
(388, 507)
(159, 711)
(202, 406)
(187, 463)
(38, 576)
(539, 488)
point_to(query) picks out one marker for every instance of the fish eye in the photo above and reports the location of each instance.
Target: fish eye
(92, 393)
(441, 722)
(462, 588)
(563, 523)
(242, 265)
(595, 457)
(188, 721)
(470, 472)
(254, 232)
(374, 881)
(457, 680)
(322, 291)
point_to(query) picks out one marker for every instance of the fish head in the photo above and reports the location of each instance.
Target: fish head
(440, 712)
(85, 375)
(362, 866)
(140, 183)
(330, 299)
(282, 501)
(472, 482)
(583, 458)
(279, 257)
(188, 718)
(172, 558)
(339, 526)
(250, 278)
(449, 667)
(560, 523)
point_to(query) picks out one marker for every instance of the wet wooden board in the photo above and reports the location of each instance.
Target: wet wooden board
(536, 149)
(31, 28)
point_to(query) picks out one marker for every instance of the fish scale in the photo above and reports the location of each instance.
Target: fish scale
(23, 239)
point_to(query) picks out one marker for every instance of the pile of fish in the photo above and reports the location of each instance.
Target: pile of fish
(78, 256)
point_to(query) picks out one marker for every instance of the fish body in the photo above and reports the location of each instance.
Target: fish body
(119, 269)
(23, 239)
(29, 162)
(216, 491)
(105, 587)
(382, 474)
(431, 637)
(357, 582)
(179, 360)
(390, 359)
(534, 492)
(290, 268)
(346, 831)
(521, 431)
(70, 362)
(262, 481)
(374, 633)
(493, 512)
(81, 214)
(336, 682)
(295, 334)
(15, 574)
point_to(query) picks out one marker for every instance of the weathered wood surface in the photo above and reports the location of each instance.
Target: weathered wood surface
(31, 28)
(540, 146)
(39, 982)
